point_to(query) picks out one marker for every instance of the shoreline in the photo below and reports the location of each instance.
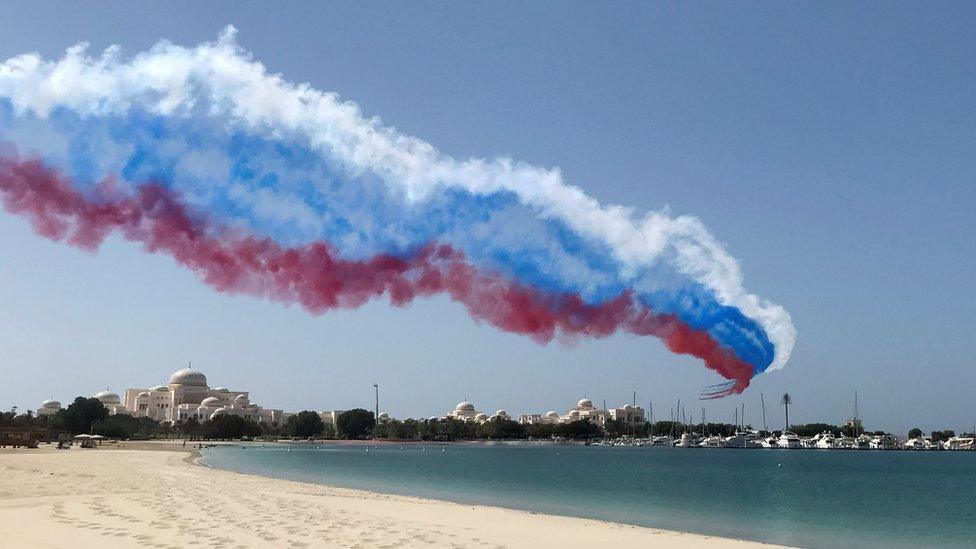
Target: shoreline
(158, 494)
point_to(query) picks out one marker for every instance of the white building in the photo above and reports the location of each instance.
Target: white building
(585, 410)
(188, 396)
(629, 414)
(465, 412)
(48, 407)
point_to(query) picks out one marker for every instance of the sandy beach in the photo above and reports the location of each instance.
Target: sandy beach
(154, 495)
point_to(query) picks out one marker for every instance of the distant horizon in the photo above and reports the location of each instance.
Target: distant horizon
(828, 150)
(601, 404)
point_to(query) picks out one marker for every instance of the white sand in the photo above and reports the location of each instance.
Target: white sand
(139, 498)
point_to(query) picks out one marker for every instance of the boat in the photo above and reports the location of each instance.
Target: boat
(713, 441)
(884, 442)
(862, 442)
(744, 439)
(662, 441)
(825, 441)
(688, 440)
(789, 440)
(917, 443)
(959, 443)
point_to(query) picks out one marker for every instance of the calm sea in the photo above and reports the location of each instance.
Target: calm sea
(797, 497)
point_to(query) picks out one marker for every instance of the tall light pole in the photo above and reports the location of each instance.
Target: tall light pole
(377, 411)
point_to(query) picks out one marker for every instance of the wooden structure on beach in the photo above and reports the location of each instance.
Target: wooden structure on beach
(23, 435)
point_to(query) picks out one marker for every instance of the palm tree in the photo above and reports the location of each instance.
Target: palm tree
(786, 402)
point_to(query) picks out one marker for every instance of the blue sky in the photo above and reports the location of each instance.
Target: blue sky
(831, 149)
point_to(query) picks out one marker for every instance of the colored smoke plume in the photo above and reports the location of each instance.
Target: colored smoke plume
(316, 278)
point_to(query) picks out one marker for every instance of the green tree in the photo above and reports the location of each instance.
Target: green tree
(812, 429)
(226, 427)
(127, 427)
(579, 429)
(355, 423)
(192, 428)
(915, 433)
(305, 424)
(82, 414)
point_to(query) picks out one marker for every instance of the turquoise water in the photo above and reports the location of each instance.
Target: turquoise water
(802, 497)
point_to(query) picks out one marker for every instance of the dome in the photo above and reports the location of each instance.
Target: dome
(552, 413)
(574, 413)
(585, 404)
(433, 418)
(107, 397)
(464, 406)
(481, 417)
(210, 401)
(143, 395)
(160, 388)
(219, 411)
(502, 413)
(628, 407)
(240, 397)
(222, 390)
(51, 405)
(384, 415)
(187, 376)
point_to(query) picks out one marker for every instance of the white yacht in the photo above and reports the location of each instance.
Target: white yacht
(789, 440)
(688, 440)
(825, 441)
(769, 442)
(744, 439)
(884, 442)
(863, 442)
(713, 442)
(959, 443)
(917, 444)
(662, 441)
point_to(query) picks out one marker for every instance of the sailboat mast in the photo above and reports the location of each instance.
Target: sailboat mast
(763, 401)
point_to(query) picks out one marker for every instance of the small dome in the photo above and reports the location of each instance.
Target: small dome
(51, 405)
(219, 412)
(107, 397)
(628, 407)
(464, 406)
(384, 415)
(160, 388)
(585, 404)
(222, 390)
(187, 376)
(210, 401)
(433, 418)
(552, 413)
(143, 395)
(481, 417)
(239, 398)
(501, 413)
(574, 413)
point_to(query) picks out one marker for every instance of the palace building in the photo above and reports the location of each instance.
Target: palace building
(189, 396)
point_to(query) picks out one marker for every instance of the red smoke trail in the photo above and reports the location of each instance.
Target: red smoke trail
(315, 277)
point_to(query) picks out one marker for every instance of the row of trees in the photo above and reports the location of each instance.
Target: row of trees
(88, 415)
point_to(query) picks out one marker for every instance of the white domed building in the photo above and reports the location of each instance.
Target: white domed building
(464, 411)
(188, 396)
(111, 401)
(628, 413)
(48, 407)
